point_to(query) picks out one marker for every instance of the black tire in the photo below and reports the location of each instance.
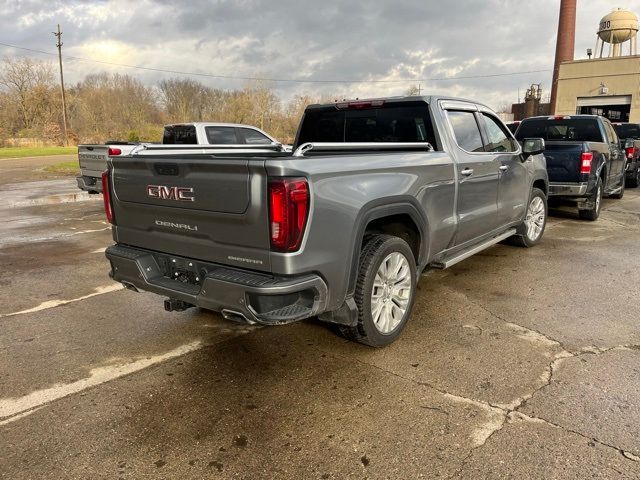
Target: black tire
(523, 238)
(593, 213)
(634, 180)
(374, 252)
(620, 194)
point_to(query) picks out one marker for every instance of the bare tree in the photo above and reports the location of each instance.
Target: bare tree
(183, 99)
(119, 107)
(29, 84)
(116, 107)
(413, 90)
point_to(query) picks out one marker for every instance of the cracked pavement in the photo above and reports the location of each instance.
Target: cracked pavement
(516, 364)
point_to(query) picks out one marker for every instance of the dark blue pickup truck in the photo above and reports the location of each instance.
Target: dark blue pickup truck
(585, 160)
(629, 134)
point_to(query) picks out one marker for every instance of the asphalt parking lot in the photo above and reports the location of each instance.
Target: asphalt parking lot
(516, 364)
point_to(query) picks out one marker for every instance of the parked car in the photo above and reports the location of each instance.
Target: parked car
(93, 158)
(629, 134)
(375, 192)
(513, 126)
(584, 159)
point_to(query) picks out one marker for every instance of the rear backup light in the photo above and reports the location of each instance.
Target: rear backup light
(106, 196)
(585, 162)
(114, 152)
(288, 210)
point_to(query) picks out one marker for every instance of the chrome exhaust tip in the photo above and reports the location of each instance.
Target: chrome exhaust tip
(235, 316)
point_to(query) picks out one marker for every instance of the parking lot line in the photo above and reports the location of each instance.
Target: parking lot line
(56, 303)
(12, 409)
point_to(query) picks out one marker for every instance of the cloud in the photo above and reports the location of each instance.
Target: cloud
(302, 39)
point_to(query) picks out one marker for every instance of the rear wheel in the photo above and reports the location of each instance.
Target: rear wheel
(385, 291)
(594, 212)
(532, 228)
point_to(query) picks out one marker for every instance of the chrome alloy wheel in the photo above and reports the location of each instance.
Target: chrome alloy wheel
(535, 218)
(391, 292)
(598, 198)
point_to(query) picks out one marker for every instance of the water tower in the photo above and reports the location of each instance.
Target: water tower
(616, 28)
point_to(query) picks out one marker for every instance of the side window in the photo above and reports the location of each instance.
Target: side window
(179, 135)
(221, 135)
(466, 131)
(498, 139)
(253, 137)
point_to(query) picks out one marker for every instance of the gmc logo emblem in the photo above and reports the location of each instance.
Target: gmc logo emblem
(184, 194)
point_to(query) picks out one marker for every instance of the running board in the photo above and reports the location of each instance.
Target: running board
(478, 248)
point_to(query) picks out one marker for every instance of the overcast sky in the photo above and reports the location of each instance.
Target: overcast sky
(311, 40)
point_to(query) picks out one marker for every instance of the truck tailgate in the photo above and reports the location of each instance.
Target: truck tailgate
(563, 161)
(93, 159)
(203, 208)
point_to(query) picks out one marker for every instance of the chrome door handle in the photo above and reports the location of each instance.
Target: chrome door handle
(504, 168)
(467, 171)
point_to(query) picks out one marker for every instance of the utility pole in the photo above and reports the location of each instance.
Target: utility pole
(419, 89)
(59, 44)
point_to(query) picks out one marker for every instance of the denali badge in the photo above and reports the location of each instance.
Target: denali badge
(184, 194)
(183, 226)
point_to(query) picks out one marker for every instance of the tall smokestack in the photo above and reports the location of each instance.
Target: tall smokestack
(565, 44)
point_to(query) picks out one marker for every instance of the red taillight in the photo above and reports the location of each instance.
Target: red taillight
(288, 209)
(106, 196)
(114, 151)
(585, 162)
(631, 151)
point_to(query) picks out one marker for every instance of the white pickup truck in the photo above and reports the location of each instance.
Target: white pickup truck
(177, 138)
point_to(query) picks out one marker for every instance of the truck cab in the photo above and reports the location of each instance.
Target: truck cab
(208, 133)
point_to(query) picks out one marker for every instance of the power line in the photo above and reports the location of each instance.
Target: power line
(280, 80)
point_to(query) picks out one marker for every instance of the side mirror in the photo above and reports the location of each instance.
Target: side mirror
(532, 146)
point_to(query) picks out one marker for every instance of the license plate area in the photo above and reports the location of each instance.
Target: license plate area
(180, 269)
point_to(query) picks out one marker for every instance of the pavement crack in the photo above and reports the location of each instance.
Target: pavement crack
(500, 415)
(514, 416)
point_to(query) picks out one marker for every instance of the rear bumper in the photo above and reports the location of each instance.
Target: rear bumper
(256, 297)
(89, 184)
(568, 189)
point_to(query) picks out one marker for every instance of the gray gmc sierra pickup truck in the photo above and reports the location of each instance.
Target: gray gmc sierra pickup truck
(375, 192)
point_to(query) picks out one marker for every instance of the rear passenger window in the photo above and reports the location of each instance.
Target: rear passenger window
(466, 131)
(253, 137)
(497, 137)
(221, 135)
